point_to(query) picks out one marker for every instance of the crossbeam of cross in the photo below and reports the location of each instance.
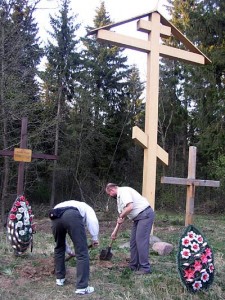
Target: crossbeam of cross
(156, 27)
(191, 182)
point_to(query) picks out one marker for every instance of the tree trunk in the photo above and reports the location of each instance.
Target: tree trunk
(4, 134)
(58, 118)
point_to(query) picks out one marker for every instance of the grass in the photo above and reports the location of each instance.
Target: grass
(31, 275)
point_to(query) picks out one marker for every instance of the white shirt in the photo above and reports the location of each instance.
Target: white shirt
(88, 214)
(127, 195)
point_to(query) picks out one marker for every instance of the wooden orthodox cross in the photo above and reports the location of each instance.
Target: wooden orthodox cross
(191, 182)
(156, 27)
(23, 155)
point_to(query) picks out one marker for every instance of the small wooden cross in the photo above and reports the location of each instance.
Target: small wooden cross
(156, 27)
(191, 182)
(24, 155)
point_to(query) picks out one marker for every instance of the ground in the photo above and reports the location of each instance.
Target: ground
(37, 268)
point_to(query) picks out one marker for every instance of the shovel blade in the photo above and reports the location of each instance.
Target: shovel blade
(106, 254)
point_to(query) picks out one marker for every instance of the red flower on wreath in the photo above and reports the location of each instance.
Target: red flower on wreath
(14, 209)
(204, 258)
(18, 203)
(208, 252)
(12, 217)
(197, 265)
(189, 273)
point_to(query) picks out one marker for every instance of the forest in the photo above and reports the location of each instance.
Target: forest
(83, 105)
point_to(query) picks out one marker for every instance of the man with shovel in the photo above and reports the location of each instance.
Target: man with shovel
(71, 217)
(134, 206)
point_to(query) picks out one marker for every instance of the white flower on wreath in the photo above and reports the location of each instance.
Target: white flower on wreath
(195, 247)
(191, 235)
(19, 216)
(197, 285)
(186, 253)
(30, 230)
(21, 232)
(205, 277)
(19, 224)
(199, 239)
(26, 221)
(23, 204)
(211, 268)
(21, 210)
(186, 241)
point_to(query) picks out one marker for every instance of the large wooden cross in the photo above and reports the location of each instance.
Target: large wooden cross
(191, 182)
(155, 27)
(23, 155)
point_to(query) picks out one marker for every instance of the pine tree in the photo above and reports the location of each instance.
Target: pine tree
(19, 55)
(61, 74)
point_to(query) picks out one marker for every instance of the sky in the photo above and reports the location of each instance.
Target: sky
(118, 10)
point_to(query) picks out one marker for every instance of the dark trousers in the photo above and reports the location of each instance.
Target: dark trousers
(139, 241)
(71, 222)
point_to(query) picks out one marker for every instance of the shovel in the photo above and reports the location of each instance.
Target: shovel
(106, 254)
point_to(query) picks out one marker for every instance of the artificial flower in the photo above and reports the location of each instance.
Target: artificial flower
(197, 285)
(12, 217)
(208, 252)
(211, 268)
(205, 277)
(21, 210)
(19, 224)
(186, 241)
(197, 265)
(191, 235)
(189, 273)
(204, 258)
(195, 247)
(19, 216)
(14, 209)
(199, 239)
(186, 253)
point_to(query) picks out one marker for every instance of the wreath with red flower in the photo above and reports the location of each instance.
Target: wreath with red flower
(19, 226)
(195, 260)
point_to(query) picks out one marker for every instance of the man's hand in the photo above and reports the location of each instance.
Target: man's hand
(120, 220)
(113, 236)
(95, 244)
(72, 254)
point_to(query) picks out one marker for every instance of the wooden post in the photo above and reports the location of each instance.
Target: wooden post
(191, 188)
(191, 182)
(23, 144)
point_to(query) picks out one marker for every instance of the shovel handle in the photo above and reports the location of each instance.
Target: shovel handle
(115, 232)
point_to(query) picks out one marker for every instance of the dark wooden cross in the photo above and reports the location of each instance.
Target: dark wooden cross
(191, 182)
(23, 155)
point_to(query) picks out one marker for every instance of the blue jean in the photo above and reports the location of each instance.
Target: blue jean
(139, 241)
(71, 222)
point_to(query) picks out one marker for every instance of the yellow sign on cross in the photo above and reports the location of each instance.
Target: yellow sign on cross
(21, 154)
(156, 27)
